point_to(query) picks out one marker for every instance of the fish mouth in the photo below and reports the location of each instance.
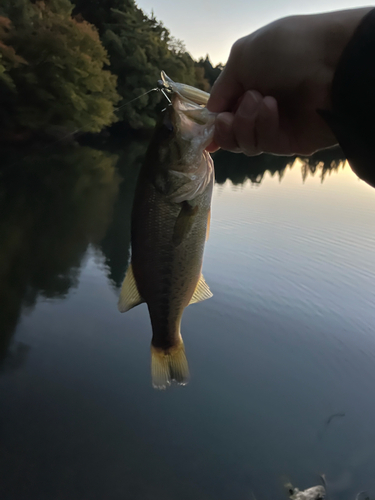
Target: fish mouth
(186, 92)
(186, 114)
(192, 121)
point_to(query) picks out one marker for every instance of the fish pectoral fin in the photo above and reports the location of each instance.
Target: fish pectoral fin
(196, 181)
(183, 222)
(202, 291)
(129, 295)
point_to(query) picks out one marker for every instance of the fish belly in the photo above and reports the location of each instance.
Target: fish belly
(167, 269)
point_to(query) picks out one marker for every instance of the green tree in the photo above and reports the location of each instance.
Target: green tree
(64, 82)
(139, 47)
(210, 73)
(201, 81)
(8, 57)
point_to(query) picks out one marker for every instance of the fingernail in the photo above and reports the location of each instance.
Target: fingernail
(251, 102)
(256, 96)
(270, 104)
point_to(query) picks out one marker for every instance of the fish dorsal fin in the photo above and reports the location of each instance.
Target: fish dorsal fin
(202, 291)
(129, 295)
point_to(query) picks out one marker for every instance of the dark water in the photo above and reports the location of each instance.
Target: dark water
(282, 357)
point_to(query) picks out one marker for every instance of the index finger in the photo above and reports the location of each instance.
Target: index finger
(227, 89)
(225, 92)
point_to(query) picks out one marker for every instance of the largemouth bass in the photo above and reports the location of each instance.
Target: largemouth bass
(170, 221)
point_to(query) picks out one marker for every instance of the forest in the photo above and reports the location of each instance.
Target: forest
(68, 67)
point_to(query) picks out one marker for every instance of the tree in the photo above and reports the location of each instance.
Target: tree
(8, 61)
(64, 82)
(210, 73)
(201, 81)
(8, 57)
(139, 47)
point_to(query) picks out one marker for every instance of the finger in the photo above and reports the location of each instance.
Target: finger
(212, 147)
(244, 123)
(224, 134)
(267, 131)
(227, 88)
(270, 136)
(224, 93)
(267, 124)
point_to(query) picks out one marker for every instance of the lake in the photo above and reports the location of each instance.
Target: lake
(282, 357)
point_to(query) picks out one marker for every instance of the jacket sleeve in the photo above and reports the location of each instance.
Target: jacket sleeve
(352, 118)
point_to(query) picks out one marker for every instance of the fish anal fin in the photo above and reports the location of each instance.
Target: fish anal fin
(184, 222)
(129, 295)
(202, 291)
(168, 365)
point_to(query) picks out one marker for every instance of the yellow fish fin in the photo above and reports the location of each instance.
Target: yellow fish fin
(168, 365)
(208, 225)
(202, 291)
(184, 222)
(129, 295)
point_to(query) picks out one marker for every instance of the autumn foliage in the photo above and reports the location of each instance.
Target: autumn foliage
(53, 67)
(67, 70)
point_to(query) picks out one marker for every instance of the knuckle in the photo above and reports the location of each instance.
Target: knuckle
(249, 107)
(237, 46)
(236, 50)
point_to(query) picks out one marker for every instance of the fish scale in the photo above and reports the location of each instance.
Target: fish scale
(169, 226)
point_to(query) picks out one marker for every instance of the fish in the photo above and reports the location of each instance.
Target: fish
(169, 228)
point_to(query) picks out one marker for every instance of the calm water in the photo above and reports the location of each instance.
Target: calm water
(282, 357)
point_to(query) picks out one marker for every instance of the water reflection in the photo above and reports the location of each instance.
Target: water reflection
(16, 357)
(116, 243)
(52, 206)
(240, 168)
(284, 349)
(55, 202)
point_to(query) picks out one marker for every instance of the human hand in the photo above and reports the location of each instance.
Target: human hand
(274, 82)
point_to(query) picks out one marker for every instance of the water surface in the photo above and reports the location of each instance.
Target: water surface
(282, 357)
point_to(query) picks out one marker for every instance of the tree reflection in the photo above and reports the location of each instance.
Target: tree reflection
(240, 168)
(52, 205)
(116, 243)
(325, 162)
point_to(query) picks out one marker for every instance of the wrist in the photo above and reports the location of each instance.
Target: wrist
(336, 32)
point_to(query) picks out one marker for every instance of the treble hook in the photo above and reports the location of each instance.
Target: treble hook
(162, 88)
(165, 95)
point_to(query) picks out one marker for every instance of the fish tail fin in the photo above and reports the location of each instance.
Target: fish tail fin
(168, 365)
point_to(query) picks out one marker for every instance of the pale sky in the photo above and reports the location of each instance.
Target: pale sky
(212, 26)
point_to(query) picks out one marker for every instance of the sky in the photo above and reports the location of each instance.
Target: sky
(212, 26)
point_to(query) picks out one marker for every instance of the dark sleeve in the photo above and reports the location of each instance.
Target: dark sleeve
(352, 118)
